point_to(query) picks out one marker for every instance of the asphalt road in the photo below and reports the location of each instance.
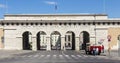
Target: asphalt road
(58, 57)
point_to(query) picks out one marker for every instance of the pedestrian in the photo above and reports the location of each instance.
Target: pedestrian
(63, 48)
(94, 51)
(109, 51)
(102, 49)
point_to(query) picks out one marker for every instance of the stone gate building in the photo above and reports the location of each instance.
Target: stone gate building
(58, 31)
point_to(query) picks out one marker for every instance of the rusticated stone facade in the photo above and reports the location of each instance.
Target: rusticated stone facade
(57, 31)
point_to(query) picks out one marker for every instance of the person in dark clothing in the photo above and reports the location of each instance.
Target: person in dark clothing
(94, 51)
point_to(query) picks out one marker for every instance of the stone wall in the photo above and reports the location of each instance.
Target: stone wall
(1, 38)
(13, 34)
(114, 33)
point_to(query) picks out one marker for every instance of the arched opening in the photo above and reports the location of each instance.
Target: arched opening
(84, 38)
(27, 40)
(70, 40)
(55, 40)
(41, 41)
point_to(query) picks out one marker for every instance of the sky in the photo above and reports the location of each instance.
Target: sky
(109, 7)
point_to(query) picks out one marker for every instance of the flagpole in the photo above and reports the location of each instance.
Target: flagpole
(55, 7)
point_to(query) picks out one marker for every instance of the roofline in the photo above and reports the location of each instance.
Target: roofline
(74, 14)
(54, 21)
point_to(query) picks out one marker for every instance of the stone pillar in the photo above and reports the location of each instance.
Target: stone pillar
(119, 46)
(62, 43)
(34, 44)
(92, 40)
(48, 44)
(77, 44)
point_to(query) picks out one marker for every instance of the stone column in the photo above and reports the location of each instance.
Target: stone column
(77, 43)
(48, 44)
(62, 43)
(34, 44)
(119, 46)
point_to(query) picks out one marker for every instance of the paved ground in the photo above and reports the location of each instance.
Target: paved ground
(9, 53)
(55, 57)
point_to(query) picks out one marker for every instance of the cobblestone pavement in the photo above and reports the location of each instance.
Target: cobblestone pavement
(55, 57)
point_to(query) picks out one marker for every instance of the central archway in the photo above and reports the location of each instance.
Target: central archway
(55, 40)
(70, 40)
(84, 38)
(41, 41)
(27, 40)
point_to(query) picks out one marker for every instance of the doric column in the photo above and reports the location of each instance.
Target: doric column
(77, 43)
(34, 44)
(48, 44)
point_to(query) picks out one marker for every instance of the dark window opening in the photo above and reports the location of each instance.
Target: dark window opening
(79, 23)
(45, 23)
(65, 23)
(12, 23)
(31, 23)
(41, 23)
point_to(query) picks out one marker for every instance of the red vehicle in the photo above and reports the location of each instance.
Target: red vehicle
(98, 49)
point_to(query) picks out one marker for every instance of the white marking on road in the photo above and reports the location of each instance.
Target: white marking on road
(67, 56)
(85, 55)
(74, 56)
(61, 56)
(36, 55)
(30, 56)
(54, 56)
(48, 55)
(24, 56)
(42, 55)
(79, 55)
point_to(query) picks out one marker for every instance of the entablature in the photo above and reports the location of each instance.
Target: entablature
(60, 22)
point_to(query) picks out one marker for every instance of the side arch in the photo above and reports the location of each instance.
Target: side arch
(27, 40)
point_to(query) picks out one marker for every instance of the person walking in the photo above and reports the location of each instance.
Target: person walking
(94, 51)
(109, 50)
(102, 49)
